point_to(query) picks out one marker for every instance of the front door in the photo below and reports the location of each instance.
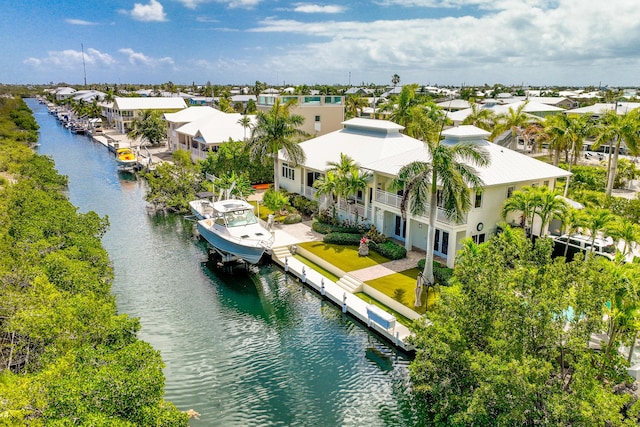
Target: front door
(400, 230)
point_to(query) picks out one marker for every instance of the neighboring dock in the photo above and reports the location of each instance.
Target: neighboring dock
(148, 157)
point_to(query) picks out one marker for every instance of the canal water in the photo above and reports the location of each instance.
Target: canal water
(248, 349)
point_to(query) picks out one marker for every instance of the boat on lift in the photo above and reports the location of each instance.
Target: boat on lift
(234, 231)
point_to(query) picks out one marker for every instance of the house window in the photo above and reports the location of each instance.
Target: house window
(317, 119)
(534, 185)
(288, 172)
(441, 242)
(479, 238)
(546, 184)
(312, 177)
(478, 202)
(510, 191)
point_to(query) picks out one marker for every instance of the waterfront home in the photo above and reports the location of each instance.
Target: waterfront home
(379, 147)
(125, 110)
(208, 129)
(182, 117)
(322, 113)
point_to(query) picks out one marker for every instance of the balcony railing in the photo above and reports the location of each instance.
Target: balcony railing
(393, 200)
(387, 198)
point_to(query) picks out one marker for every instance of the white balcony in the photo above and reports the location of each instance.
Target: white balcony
(394, 200)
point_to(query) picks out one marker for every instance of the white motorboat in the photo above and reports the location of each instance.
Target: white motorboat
(233, 229)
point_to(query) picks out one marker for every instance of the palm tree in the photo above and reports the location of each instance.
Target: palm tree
(356, 181)
(479, 117)
(347, 176)
(548, 206)
(395, 79)
(572, 219)
(277, 130)
(449, 170)
(567, 132)
(400, 111)
(148, 127)
(618, 128)
(627, 232)
(513, 120)
(245, 121)
(522, 201)
(327, 185)
(354, 105)
(597, 220)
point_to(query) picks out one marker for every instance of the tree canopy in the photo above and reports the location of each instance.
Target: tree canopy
(66, 356)
(508, 343)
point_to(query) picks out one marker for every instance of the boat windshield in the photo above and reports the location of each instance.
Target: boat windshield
(239, 218)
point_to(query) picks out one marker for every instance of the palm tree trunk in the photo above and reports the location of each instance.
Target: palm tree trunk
(431, 238)
(276, 180)
(614, 166)
(633, 347)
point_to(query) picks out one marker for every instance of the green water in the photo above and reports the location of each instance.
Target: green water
(242, 350)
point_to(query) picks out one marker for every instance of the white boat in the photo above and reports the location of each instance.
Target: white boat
(233, 229)
(202, 207)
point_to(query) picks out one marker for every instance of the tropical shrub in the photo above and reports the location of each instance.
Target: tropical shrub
(303, 205)
(293, 218)
(389, 249)
(441, 273)
(321, 227)
(275, 200)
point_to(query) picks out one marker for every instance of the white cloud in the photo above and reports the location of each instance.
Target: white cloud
(152, 12)
(231, 4)
(70, 59)
(79, 22)
(316, 8)
(207, 20)
(531, 39)
(140, 59)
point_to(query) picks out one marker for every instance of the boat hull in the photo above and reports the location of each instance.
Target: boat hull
(250, 251)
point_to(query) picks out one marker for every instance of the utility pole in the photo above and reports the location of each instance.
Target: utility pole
(83, 66)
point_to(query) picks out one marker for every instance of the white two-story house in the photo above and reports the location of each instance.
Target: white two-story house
(379, 147)
(201, 129)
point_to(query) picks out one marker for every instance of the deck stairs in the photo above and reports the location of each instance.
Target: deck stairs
(350, 283)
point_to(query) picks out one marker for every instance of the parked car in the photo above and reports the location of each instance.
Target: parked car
(582, 243)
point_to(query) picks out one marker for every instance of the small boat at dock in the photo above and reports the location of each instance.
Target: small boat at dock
(126, 158)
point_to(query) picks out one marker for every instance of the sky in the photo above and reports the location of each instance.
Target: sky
(347, 42)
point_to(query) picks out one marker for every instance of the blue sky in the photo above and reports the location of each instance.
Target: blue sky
(437, 42)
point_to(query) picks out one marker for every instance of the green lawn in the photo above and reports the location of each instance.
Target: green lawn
(401, 287)
(344, 257)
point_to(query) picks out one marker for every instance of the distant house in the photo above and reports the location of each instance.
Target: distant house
(125, 110)
(201, 101)
(64, 93)
(199, 130)
(322, 113)
(88, 95)
(182, 117)
(379, 147)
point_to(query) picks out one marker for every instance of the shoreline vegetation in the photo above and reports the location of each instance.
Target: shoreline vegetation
(66, 355)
